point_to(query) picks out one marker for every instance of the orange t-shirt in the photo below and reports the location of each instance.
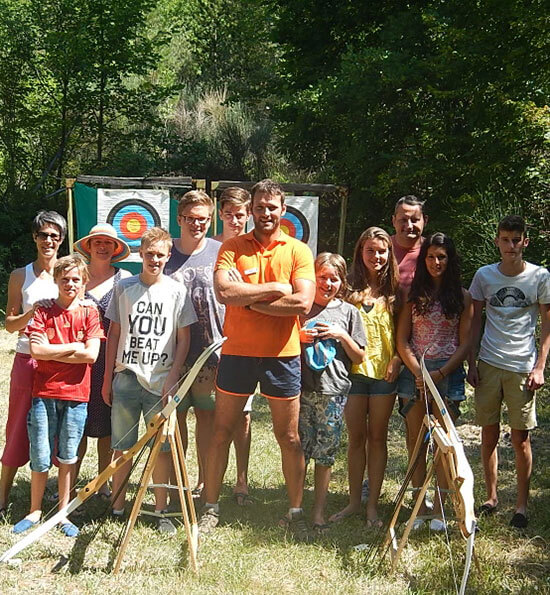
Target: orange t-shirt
(251, 333)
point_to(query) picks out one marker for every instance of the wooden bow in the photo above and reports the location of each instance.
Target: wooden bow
(154, 426)
(450, 451)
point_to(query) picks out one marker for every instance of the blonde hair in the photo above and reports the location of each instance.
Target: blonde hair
(195, 198)
(72, 261)
(339, 264)
(388, 280)
(154, 235)
(235, 196)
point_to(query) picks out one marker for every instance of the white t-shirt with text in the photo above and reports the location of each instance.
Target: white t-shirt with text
(149, 317)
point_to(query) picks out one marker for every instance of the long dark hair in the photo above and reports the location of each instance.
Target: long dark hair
(359, 277)
(423, 291)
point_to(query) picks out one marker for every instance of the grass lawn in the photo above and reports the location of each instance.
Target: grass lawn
(250, 554)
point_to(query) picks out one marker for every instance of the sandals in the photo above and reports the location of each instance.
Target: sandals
(519, 521)
(374, 524)
(243, 499)
(486, 510)
(340, 516)
(320, 528)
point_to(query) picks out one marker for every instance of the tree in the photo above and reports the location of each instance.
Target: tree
(444, 99)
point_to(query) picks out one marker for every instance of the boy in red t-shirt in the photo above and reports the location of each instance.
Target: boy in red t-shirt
(64, 339)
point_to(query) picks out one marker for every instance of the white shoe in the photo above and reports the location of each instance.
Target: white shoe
(417, 524)
(438, 525)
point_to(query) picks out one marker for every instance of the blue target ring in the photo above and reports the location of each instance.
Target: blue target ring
(131, 218)
(294, 223)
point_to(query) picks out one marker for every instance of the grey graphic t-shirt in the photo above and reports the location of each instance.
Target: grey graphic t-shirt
(334, 379)
(149, 316)
(511, 306)
(196, 273)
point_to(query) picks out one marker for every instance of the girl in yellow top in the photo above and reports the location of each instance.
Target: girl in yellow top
(374, 282)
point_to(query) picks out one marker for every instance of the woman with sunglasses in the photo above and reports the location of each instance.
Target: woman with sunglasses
(27, 287)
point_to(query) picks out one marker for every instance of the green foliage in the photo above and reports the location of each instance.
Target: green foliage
(232, 141)
(443, 99)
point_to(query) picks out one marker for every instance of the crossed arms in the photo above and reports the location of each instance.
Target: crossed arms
(272, 298)
(68, 353)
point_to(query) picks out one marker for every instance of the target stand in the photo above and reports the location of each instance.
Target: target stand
(169, 433)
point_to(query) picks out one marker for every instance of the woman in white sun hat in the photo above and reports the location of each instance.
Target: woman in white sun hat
(101, 248)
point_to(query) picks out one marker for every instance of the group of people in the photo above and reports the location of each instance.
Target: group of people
(323, 346)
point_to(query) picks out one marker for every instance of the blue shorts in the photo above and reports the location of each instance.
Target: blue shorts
(279, 377)
(452, 386)
(370, 387)
(320, 426)
(49, 419)
(130, 400)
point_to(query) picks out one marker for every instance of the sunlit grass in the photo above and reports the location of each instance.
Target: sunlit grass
(250, 554)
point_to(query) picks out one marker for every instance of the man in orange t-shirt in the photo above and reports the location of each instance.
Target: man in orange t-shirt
(266, 279)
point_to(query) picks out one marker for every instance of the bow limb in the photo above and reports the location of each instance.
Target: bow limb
(464, 480)
(91, 488)
(468, 562)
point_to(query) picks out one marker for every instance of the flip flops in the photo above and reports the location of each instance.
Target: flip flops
(486, 510)
(242, 499)
(519, 521)
(320, 528)
(374, 524)
(340, 516)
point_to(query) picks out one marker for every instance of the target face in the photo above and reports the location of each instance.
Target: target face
(294, 223)
(132, 218)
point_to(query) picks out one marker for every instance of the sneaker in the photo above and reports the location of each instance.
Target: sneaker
(418, 523)
(166, 526)
(296, 524)
(438, 525)
(208, 521)
(365, 491)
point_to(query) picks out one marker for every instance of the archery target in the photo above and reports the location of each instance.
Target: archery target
(132, 213)
(132, 218)
(294, 223)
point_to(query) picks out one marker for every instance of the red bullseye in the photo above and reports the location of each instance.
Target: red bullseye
(288, 227)
(132, 225)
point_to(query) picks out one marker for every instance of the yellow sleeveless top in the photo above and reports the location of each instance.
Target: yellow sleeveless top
(379, 328)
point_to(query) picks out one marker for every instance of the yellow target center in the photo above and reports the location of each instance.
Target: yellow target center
(285, 229)
(133, 225)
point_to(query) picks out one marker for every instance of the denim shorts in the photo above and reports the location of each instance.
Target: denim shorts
(130, 400)
(452, 386)
(279, 377)
(49, 419)
(363, 385)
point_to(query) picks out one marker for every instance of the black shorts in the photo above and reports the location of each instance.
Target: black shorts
(279, 377)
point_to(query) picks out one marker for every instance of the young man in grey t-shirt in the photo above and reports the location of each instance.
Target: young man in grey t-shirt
(191, 264)
(513, 293)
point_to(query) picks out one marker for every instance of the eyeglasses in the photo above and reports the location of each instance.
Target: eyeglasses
(195, 220)
(42, 235)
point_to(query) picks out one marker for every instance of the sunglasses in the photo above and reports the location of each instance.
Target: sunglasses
(42, 235)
